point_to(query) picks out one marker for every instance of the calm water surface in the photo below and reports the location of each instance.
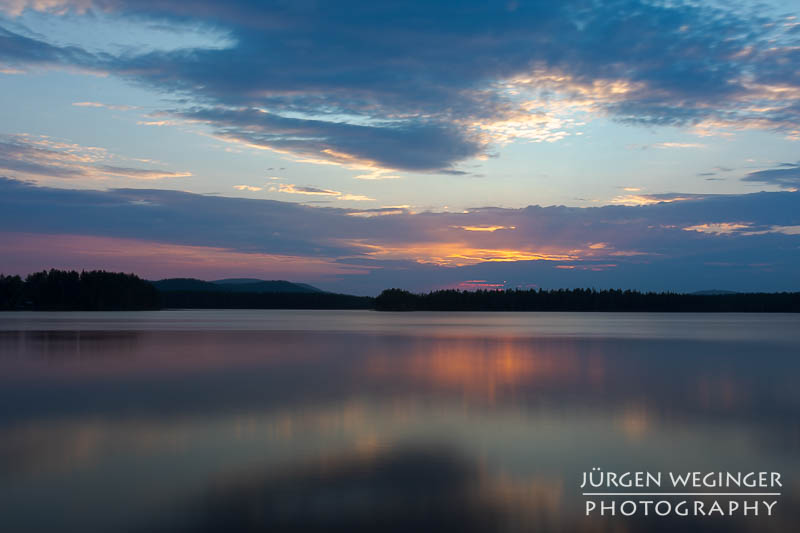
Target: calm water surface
(356, 420)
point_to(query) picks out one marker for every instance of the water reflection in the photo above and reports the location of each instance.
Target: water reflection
(357, 429)
(400, 490)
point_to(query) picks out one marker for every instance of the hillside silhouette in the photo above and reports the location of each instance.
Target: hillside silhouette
(59, 290)
(233, 285)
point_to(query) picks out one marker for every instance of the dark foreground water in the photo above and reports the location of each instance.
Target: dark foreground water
(355, 421)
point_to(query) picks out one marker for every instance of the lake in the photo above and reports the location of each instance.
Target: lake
(358, 420)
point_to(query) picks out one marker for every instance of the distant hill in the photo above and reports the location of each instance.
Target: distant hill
(256, 286)
(260, 285)
(246, 293)
(186, 284)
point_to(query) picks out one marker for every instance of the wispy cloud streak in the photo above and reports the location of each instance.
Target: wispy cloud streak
(40, 156)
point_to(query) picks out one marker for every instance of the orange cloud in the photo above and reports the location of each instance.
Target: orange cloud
(456, 253)
(484, 228)
(643, 199)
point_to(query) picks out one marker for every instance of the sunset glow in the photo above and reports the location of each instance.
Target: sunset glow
(527, 146)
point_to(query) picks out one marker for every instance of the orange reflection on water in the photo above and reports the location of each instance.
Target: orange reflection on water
(484, 367)
(635, 421)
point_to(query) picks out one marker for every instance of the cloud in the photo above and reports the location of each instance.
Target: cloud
(786, 230)
(156, 122)
(678, 145)
(422, 87)
(718, 228)
(294, 189)
(490, 229)
(19, 52)
(104, 106)
(355, 198)
(664, 145)
(59, 7)
(137, 173)
(313, 191)
(742, 228)
(41, 156)
(418, 145)
(369, 213)
(649, 199)
(250, 188)
(786, 176)
(381, 174)
(669, 245)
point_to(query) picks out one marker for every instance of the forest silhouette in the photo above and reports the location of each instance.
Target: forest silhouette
(60, 290)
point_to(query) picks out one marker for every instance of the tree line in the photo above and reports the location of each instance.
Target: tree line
(586, 300)
(61, 290)
(99, 290)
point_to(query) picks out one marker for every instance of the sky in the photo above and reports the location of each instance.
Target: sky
(358, 146)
